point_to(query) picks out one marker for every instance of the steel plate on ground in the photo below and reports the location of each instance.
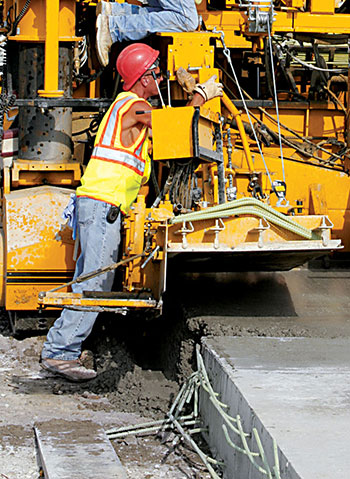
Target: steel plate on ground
(75, 450)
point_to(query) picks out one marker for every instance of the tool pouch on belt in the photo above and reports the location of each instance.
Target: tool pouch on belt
(113, 214)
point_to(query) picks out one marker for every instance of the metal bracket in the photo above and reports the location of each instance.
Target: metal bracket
(263, 226)
(282, 202)
(219, 226)
(183, 231)
(325, 225)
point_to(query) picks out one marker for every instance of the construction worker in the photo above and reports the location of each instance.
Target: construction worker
(122, 21)
(119, 165)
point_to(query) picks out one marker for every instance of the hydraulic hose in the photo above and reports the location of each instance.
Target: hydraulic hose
(237, 116)
(20, 16)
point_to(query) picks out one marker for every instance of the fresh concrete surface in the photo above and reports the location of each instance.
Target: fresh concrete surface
(296, 390)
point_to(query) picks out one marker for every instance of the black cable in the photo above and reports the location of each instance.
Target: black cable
(154, 179)
(8, 19)
(345, 8)
(92, 128)
(89, 78)
(20, 16)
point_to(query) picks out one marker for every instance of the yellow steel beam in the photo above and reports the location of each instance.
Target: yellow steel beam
(234, 23)
(51, 51)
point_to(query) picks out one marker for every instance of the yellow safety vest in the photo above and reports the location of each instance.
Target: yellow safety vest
(115, 172)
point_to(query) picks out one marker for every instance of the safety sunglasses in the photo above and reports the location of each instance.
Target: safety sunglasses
(157, 75)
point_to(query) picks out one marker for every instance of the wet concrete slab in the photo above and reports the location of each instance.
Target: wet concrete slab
(293, 390)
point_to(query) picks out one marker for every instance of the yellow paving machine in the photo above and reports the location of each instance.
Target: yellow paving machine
(255, 180)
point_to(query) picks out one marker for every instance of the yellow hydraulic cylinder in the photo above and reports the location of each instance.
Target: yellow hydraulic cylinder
(236, 114)
(51, 51)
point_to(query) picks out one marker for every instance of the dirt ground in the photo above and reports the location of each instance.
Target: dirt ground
(124, 393)
(141, 363)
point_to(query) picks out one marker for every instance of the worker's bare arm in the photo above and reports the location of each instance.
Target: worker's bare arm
(140, 112)
(197, 100)
(134, 120)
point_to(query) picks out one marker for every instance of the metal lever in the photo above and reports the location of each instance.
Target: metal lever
(156, 249)
(168, 87)
(159, 93)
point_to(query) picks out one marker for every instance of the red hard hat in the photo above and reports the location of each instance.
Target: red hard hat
(134, 61)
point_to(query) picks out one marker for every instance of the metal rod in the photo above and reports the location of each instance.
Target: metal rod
(146, 430)
(93, 274)
(154, 76)
(168, 86)
(191, 442)
(146, 424)
(156, 249)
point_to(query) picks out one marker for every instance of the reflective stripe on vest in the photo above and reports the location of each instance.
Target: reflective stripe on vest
(123, 158)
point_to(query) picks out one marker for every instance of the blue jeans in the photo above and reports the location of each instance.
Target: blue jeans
(131, 22)
(99, 243)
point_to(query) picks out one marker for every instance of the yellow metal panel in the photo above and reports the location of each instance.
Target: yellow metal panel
(307, 22)
(318, 201)
(172, 136)
(230, 20)
(172, 132)
(284, 22)
(295, 119)
(324, 6)
(190, 51)
(24, 297)
(295, 3)
(329, 124)
(35, 241)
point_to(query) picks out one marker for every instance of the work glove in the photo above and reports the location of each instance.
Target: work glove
(209, 89)
(185, 80)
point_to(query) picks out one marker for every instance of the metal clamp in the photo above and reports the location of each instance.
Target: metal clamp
(184, 231)
(324, 227)
(263, 226)
(219, 226)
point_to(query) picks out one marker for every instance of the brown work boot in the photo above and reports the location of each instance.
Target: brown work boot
(68, 369)
(103, 39)
(103, 7)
